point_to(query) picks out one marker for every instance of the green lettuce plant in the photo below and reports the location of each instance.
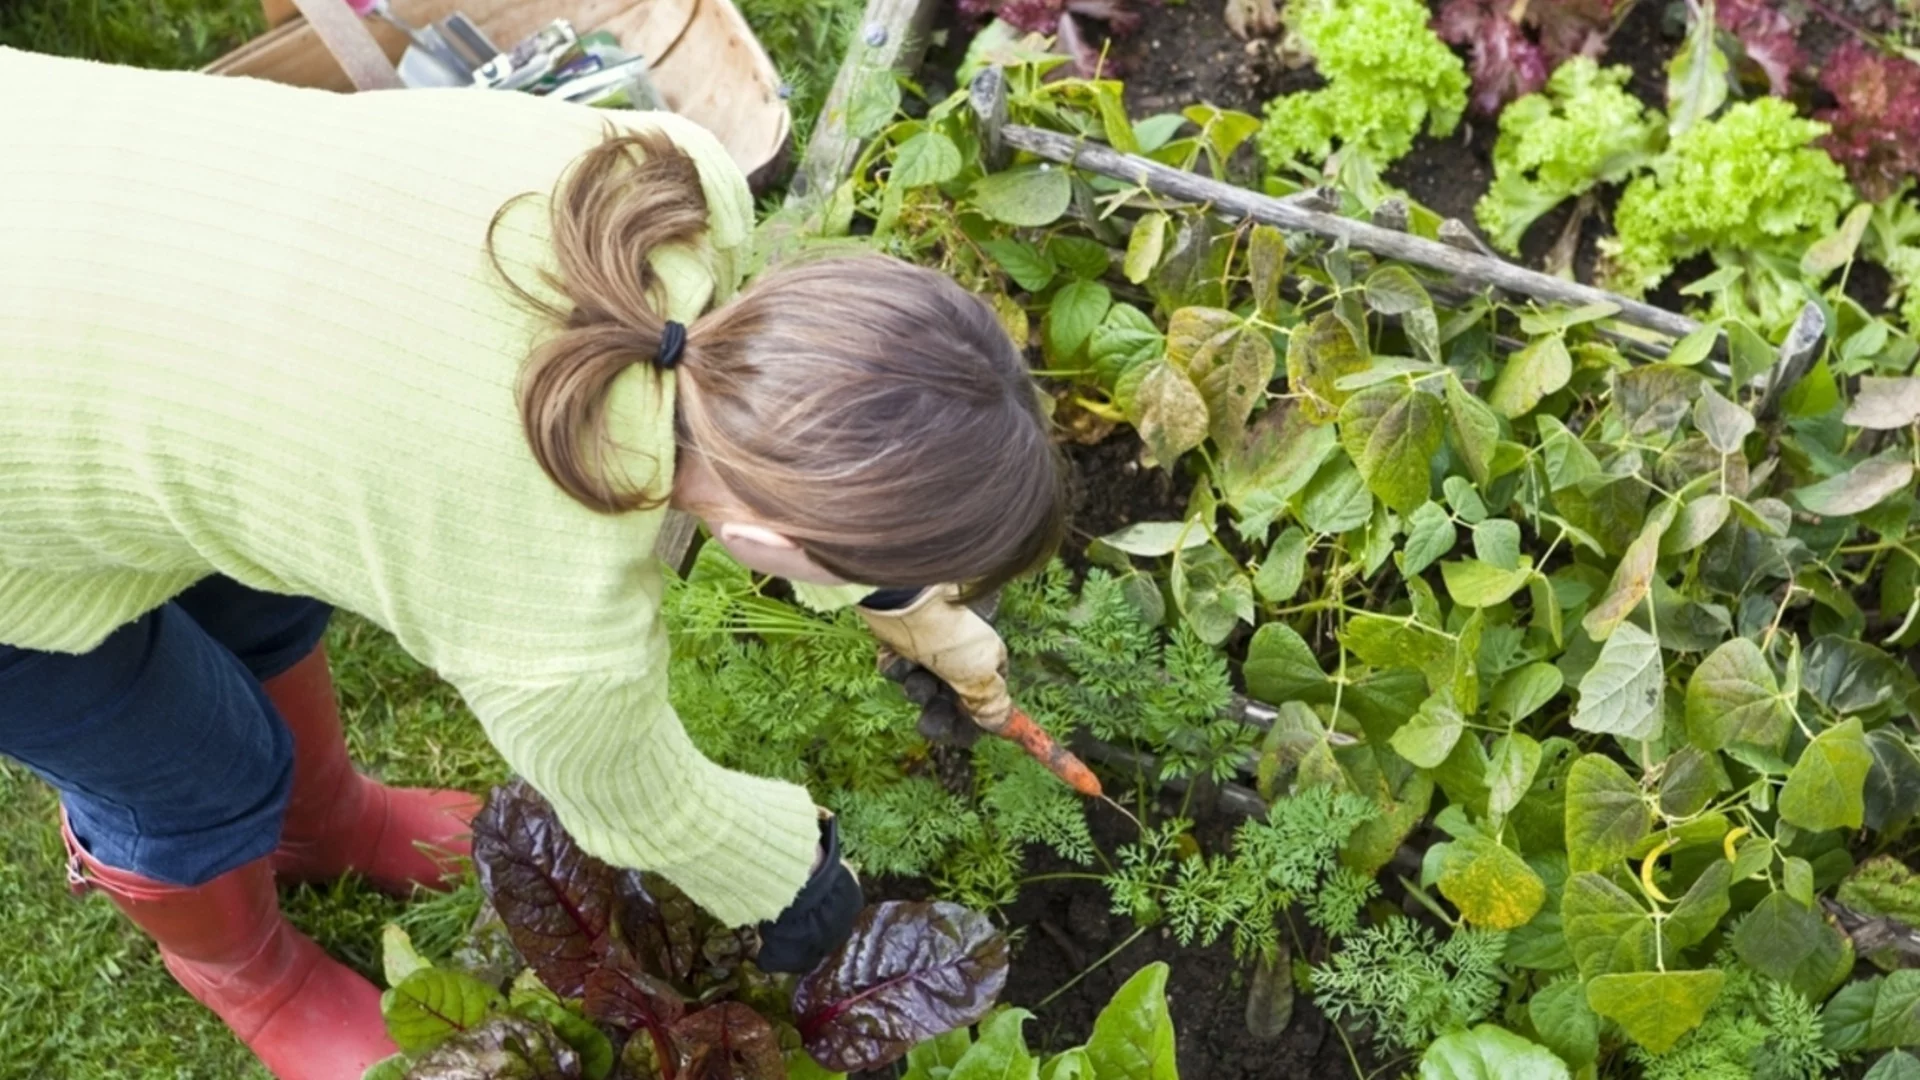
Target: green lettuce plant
(1583, 130)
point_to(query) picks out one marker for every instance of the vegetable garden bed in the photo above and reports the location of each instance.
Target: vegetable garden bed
(1577, 598)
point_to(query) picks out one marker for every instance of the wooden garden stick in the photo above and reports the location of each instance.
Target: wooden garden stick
(1465, 267)
(892, 38)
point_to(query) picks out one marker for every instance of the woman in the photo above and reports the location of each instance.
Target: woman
(265, 352)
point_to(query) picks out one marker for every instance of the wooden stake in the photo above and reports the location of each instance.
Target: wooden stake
(1469, 268)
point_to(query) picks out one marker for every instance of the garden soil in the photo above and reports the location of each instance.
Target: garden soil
(1063, 929)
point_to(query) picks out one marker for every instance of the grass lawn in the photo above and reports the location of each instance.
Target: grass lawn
(83, 995)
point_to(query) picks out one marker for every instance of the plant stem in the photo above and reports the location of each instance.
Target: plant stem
(1091, 968)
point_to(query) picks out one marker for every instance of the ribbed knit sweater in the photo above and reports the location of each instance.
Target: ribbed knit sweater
(252, 330)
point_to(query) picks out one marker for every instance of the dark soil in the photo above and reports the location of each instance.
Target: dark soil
(1111, 489)
(1063, 928)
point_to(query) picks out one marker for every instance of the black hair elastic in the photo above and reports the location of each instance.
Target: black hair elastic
(673, 341)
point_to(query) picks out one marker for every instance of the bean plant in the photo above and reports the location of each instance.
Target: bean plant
(1611, 635)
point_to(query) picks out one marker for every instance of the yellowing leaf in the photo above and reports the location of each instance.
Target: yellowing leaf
(1145, 245)
(1655, 1008)
(1491, 884)
(1631, 579)
(1169, 413)
(1320, 353)
(1531, 374)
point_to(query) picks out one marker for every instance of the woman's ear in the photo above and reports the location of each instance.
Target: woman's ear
(737, 532)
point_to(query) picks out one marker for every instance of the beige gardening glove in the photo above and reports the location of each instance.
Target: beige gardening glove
(949, 639)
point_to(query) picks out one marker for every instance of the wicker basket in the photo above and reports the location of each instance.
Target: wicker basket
(703, 58)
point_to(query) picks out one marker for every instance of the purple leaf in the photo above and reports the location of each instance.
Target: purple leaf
(1570, 28)
(555, 899)
(622, 994)
(727, 1042)
(1767, 34)
(673, 937)
(1876, 125)
(1506, 64)
(909, 972)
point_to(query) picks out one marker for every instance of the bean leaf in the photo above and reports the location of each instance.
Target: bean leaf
(1885, 404)
(1281, 571)
(1566, 1023)
(1430, 534)
(1392, 432)
(1622, 693)
(1523, 692)
(1827, 787)
(1725, 424)
(1862, 487)
(1607, 814)
(1490, 883)
(909, 971)
(1541, 368)
(1476, 584)
(1428, 736)
(1168, 412)
(1655, 1008)
(1280, 666)
(1632, 578)
(1733, 697)
(926, 158)
(1515, 760)
(1028, 196)
(1786, 940)
(1607, 930)
(1145, 244)
(1025, 264)
(555, 899)
(1319, 354)
(1076, 311)
(1277, 457)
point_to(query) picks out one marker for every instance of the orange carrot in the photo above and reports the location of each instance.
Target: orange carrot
(1048, 751)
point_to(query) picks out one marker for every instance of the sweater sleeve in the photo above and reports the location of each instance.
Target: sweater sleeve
(611, 756)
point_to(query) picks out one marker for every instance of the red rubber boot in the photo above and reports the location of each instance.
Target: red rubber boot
(304, 1014)
(340, 821)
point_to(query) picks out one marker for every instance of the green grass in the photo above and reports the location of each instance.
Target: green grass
(83, 995)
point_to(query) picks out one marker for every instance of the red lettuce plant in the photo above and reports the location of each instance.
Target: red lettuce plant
(1876, 119)
(1061, 19)
(627, 979)
(1515, 46)
(1769, 34)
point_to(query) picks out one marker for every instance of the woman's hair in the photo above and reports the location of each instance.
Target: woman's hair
(873, 411)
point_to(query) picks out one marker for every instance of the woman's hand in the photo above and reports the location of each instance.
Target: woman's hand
(950, 640)
(820, 918)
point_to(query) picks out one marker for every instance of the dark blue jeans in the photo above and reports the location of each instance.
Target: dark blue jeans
(169, 758)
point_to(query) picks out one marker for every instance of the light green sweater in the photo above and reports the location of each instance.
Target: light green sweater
(251, 330)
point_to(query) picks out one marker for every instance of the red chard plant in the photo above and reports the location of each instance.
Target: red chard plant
(628, 979)
(1064, 21)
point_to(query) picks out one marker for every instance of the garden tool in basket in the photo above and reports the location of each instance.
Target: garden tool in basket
(943, 718)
